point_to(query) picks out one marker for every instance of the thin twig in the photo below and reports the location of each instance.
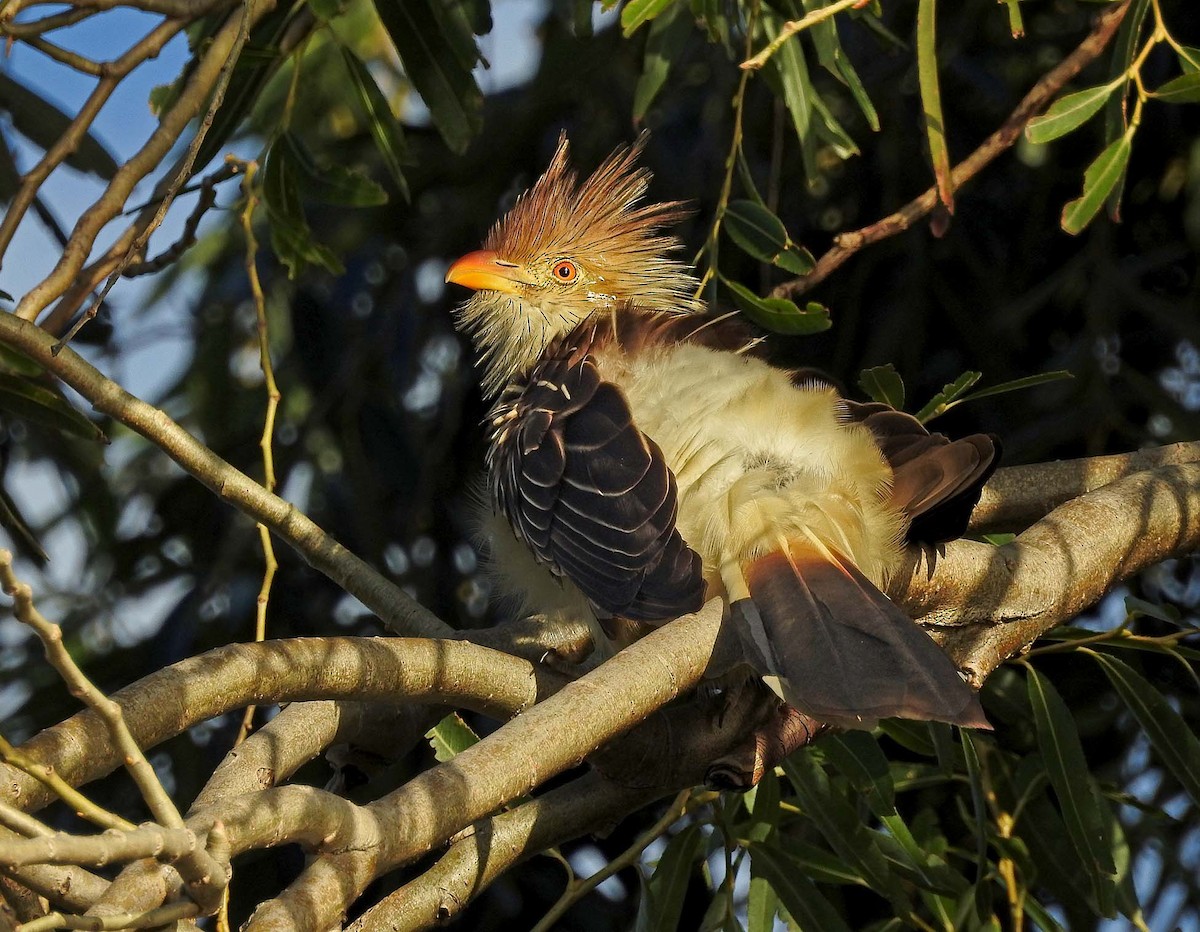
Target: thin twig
(795, 26)
(181, 177)
(847, 244)
(77, 682)
(578, 890)
(187, 239)
(148, 47)
(268, 432)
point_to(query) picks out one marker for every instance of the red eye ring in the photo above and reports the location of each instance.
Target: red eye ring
(565, 271)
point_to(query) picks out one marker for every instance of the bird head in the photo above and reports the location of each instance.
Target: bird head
(568, 249)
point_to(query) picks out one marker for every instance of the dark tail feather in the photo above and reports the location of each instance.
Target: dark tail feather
(841, 650)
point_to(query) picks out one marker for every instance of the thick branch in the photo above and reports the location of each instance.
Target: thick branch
(847, 244)
(1017, 496)
(322, 552)
(169, 701)
(991, 602)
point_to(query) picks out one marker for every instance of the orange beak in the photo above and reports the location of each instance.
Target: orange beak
(485, 271)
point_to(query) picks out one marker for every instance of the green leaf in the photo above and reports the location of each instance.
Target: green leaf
(883, 383)
(1070, 112)
(983, 897)
(291, 237)
(913, 736)
(1125, 47)
(858, 757)
(1184, 89)
(762, 905)
(433, 66)
(839, 823)
(637, 12)
(999, 540)
(449, 737)
(817, 864)
(327, 10)
(1067, 768)
(787, 74)
(14, 361)
(1135, 607)
(668, 35)
(41, 122)
(460, 20)
(799, 895)
(931, 100)
(764, 807)
(833, 59)
(249, 78)
(335, 184)
(779, 314)
(662, 896)
(950, 393)
(1029, 381)
(1189, 59)
(1099, 181)
(37, 404)
(22, 535)
(762, 235)
(1174, 741)
(385, 128)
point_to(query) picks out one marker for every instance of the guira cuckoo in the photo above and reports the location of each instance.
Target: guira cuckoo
(649, 457)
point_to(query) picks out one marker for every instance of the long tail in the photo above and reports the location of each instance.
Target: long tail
(836, 648)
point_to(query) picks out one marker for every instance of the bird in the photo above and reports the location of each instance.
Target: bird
(645, 455)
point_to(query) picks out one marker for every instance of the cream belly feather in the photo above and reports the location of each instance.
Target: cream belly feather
(756, 458)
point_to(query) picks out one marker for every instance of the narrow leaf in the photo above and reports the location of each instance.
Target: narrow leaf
(1175, 743)
(22, 535)
(833, 59)
(1070, 112)
(334, 184)
(842, 828)
(385, 128)
(1125, 47)
(1067, 768)
(662, 899)
(931, 101)
(44, 407)
(450, 736)
(950, 393)
(817, 864)
(1189, 59)
(1029, 381)
(787, 74)
(432, 65)
(883, 383)
(797, 893)
(762, 235)
(43, 123)
(1099, 181)
(764, 811)
(664, 45)
(779, 314)
(979, 810)
(858, 757)
(1184, 89)
(637, 12)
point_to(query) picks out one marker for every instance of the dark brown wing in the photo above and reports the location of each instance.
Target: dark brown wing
(591, 495)
(937, 481)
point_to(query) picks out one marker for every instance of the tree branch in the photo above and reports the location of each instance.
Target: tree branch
(170, 701)
(847, 244)
(387, 600)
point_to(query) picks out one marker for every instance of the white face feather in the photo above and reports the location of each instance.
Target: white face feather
(568, 249)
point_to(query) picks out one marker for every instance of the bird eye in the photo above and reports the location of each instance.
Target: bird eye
(565, 271)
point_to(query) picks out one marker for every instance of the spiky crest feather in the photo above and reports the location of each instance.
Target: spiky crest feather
(600, 223)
